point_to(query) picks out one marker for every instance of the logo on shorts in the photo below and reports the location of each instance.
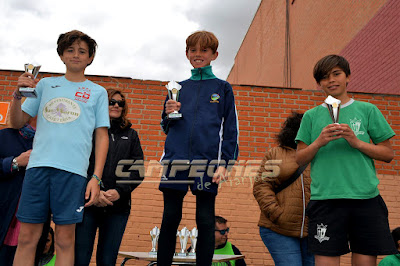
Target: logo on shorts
(321, 231)
(80, 209)
(61, 110)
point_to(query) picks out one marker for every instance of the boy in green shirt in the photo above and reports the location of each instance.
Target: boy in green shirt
(346, 211)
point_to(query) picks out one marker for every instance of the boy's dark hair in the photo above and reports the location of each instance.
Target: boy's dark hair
(206, 39)
(326, 64)
(125, 122)
(289, 130)
(396, 236)
(220, 220)
(65, 40)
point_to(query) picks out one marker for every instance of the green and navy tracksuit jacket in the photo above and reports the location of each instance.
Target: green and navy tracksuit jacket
(208, 131)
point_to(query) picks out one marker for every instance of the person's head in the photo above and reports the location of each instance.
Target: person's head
(221, 231)
(78, 45)
(49, 247)
(201, 48)
(332, 74)
(117, 106)
(396, 237)
(287, 135)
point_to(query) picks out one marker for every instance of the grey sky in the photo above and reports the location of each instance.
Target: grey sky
(138, 39)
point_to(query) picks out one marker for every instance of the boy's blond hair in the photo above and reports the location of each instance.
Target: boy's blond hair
(206, 39)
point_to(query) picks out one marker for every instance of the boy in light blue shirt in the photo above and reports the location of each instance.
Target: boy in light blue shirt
(69, 109)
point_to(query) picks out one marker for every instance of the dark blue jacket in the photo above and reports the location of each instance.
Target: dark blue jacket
(209, 127)
(12, 144)
(124, 144)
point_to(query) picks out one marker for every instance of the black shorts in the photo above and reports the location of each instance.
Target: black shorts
(340, 226)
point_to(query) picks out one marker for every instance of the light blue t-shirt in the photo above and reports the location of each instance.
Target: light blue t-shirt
(68, 112)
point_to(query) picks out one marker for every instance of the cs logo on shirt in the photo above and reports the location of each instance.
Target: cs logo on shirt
(82, 94)
(214, 98)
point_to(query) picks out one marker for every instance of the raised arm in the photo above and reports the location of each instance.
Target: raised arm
(19, 118)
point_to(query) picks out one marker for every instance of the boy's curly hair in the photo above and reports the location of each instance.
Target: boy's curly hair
(65, 40)
(288, 133)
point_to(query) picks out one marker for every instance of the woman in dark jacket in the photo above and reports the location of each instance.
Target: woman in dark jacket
(111, 211)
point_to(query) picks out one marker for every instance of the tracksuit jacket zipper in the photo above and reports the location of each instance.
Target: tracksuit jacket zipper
(195, 115)
(111, 153)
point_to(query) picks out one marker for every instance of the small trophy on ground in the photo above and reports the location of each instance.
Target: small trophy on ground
(154, 234)
(183, 239)
(193, 238)
(333, 105)
(173, 93)
(30, 92)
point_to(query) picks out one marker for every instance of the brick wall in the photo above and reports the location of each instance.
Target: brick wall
(261, 111)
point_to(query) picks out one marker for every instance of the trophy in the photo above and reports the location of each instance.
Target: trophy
(333, 107)
(154, 234)
(30, 92)
(193, 238)
(173, 93)
(183, 239)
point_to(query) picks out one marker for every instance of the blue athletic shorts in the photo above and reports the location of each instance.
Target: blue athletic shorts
(47, 188)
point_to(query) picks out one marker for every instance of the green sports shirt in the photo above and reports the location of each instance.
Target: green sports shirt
(339, 171)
